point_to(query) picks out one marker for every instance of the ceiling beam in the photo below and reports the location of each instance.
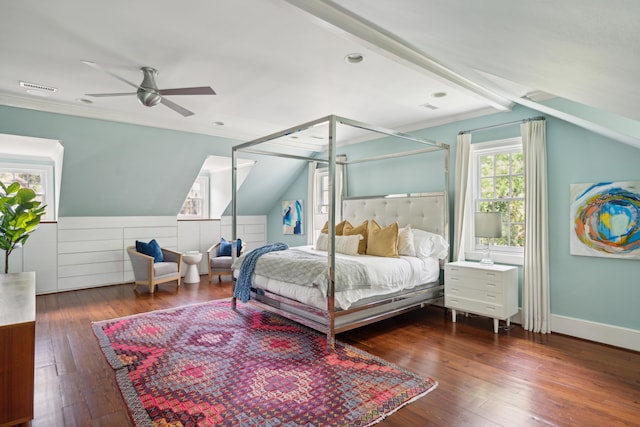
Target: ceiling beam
(379, 38)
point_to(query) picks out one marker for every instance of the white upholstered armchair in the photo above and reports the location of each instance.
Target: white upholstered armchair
(149, 273)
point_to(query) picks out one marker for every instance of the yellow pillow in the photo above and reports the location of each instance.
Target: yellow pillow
(339, 228)
(383, 241)
(350, 230)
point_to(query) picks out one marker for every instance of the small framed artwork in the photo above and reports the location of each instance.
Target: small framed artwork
(605, 219)
(292, 217)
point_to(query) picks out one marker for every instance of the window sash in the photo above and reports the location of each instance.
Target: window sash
(196, 204)
(44, 191)
(501, 250)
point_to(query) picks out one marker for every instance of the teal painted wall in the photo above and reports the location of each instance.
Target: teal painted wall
(601, 290)
(118, 169)
(296, 191)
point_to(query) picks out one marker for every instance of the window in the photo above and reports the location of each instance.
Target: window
(497, 174)
(322, 192)
(321, 196)
(39, 178)
(196, 205)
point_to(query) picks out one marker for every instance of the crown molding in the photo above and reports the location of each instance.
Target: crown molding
(90, 112)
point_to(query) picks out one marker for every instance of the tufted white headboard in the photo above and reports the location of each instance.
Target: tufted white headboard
(426, 211)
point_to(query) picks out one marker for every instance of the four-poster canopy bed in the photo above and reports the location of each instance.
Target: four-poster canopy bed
(354, 287)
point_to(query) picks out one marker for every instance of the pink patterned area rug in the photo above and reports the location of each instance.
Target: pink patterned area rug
(207, 365)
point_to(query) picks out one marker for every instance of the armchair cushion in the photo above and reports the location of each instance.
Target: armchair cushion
(162, 269)
(152, 249)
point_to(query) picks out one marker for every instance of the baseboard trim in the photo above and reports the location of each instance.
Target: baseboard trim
(599, 332)
(617, 336)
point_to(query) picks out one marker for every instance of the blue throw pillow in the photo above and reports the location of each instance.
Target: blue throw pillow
(225, 248)
(152, 249)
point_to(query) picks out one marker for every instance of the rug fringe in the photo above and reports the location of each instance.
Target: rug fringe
(413, 399)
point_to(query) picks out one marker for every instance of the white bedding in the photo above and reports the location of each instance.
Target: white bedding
(387, 275)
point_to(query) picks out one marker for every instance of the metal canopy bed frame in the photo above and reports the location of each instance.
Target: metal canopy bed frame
(435, 205)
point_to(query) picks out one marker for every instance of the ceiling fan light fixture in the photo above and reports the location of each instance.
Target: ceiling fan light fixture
(148, 97)
(148, 93)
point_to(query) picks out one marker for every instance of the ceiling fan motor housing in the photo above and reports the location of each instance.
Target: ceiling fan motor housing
(148, 91)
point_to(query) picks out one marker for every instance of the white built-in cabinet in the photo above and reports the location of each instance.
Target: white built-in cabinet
(85, 252)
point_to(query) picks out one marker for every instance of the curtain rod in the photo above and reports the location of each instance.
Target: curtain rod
(501, 125)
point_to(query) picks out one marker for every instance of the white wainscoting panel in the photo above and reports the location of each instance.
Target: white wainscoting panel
(251, 229)
(92, 250)
(85, 252)
(195, 235)
(40, 255)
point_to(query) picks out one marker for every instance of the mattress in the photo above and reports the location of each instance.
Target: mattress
(387, 275)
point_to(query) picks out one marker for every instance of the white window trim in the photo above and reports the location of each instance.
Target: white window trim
(321, 218)
(511, 256)
(46, 172)
(204, 181)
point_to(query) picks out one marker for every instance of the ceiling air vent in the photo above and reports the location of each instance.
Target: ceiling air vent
(36, 86)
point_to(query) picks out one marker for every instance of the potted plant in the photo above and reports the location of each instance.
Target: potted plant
(20, 215)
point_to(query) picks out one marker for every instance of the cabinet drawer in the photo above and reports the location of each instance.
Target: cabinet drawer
(475, 294)
(484, 282)
(477, 307)
(475, 274)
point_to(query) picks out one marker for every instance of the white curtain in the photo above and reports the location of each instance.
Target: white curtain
(460, 197)
(311, 205)
(535, 276)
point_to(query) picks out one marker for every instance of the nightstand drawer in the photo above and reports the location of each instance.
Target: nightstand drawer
(475, 294)
(476, 274)
(477, 307)
(484, 282)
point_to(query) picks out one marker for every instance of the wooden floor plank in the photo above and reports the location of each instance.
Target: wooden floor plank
(511, 378)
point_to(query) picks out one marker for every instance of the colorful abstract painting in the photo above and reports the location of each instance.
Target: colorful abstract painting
(292, 217)
(605, 219)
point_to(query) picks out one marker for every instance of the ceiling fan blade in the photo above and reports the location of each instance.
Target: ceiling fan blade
(111, 94)
(104, 70)
(202, 90)
(175, 107)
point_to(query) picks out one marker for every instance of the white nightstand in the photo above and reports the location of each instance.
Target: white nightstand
(486, 290)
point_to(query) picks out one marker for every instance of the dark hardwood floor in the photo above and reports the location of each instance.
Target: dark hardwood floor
(513, 378)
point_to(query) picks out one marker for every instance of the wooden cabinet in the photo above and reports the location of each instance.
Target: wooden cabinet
(486, 290)
(17, 347)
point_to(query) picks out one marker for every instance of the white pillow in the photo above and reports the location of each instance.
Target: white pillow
(429, 245)
(347, 245)
(405, 242)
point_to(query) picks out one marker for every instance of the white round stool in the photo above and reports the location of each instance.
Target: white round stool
(192, 259)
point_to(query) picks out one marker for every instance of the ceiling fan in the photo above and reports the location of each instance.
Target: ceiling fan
(148, 93)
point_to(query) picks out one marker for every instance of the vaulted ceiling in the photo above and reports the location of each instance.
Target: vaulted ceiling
(277, 63)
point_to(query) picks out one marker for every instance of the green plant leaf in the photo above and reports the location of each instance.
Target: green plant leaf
(20, 215)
